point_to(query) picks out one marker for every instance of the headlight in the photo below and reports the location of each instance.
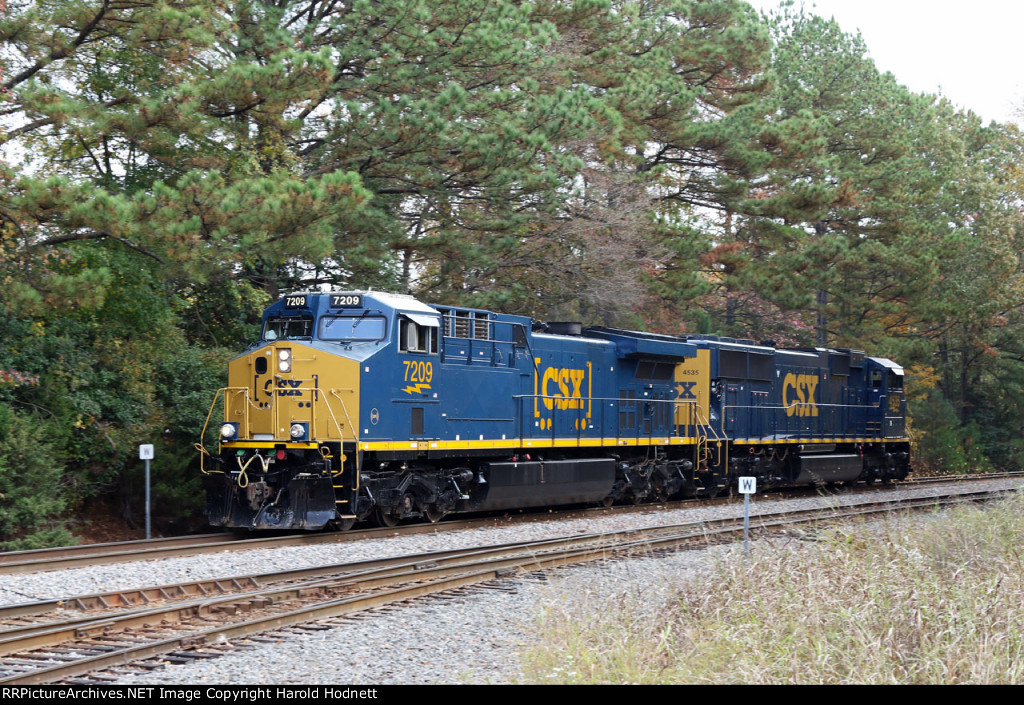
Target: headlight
(284, 360)
(298, 430)
(227, 431)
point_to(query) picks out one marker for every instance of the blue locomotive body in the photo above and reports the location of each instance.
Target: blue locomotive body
(357, 403)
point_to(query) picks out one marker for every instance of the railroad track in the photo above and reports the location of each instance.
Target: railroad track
(64, 557)
(938, 479)
(61, 640)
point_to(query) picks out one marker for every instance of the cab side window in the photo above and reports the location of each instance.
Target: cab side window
(876, 379)
(416, 338)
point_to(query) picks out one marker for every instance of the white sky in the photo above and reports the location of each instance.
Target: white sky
(970, 52)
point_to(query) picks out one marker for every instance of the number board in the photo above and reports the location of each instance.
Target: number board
(298, 301)
(346, 301)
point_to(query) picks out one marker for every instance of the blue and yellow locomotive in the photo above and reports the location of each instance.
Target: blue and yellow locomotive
(363, 404)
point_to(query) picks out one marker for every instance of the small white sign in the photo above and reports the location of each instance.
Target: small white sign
(747, 485)
(146, 451)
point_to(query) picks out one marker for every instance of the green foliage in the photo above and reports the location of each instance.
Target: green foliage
(942, 443)
(113, 370)
(31, 504)
(184, 386)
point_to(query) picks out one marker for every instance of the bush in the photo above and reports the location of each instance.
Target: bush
(31, 499)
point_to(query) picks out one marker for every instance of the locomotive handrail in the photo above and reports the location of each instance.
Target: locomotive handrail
(706, 424)
(799, 404)
(559, 396)
(803, 405)
(618, 434)
(344, 408)
(317, 397)
(355, 435)
(492, 339)
(206, 423)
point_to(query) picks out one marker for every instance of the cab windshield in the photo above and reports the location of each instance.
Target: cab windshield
(291, 327)
(352, 329)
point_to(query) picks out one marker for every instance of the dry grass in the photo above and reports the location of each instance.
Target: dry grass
(937, 600)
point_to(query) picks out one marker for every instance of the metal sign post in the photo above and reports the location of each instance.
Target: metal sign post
(747, 486)
(146, 453)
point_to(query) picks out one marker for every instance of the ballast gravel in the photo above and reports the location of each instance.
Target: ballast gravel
(474, 636)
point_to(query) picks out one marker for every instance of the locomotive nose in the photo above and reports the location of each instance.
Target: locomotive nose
(307, 396)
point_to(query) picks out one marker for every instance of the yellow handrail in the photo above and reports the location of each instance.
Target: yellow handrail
(202, 434)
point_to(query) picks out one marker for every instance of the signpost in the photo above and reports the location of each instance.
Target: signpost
(146, 453)
(747, 486)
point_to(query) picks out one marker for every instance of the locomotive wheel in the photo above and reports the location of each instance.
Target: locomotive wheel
(433, 513)
(342, 524)
(388, 520)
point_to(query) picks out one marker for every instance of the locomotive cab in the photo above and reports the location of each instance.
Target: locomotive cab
(885, 397)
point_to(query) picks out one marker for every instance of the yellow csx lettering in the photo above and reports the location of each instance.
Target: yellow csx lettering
(562, 377)
(798, 394)
(894, 404)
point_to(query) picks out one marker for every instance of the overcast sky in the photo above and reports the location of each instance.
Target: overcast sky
(971, 52)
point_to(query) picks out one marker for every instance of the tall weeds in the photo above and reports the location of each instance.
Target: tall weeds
(912, 600)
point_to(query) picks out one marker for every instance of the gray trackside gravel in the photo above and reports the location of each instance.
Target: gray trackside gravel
(473, 637)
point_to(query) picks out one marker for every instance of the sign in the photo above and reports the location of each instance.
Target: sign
(747, 486)
(146, 453)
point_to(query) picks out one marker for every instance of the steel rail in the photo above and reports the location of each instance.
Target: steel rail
(113, 547)
(61, 559)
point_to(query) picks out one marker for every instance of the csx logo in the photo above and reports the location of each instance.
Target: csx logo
(798, 394)
(686, 390)
(286, 387)
(565, 385)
